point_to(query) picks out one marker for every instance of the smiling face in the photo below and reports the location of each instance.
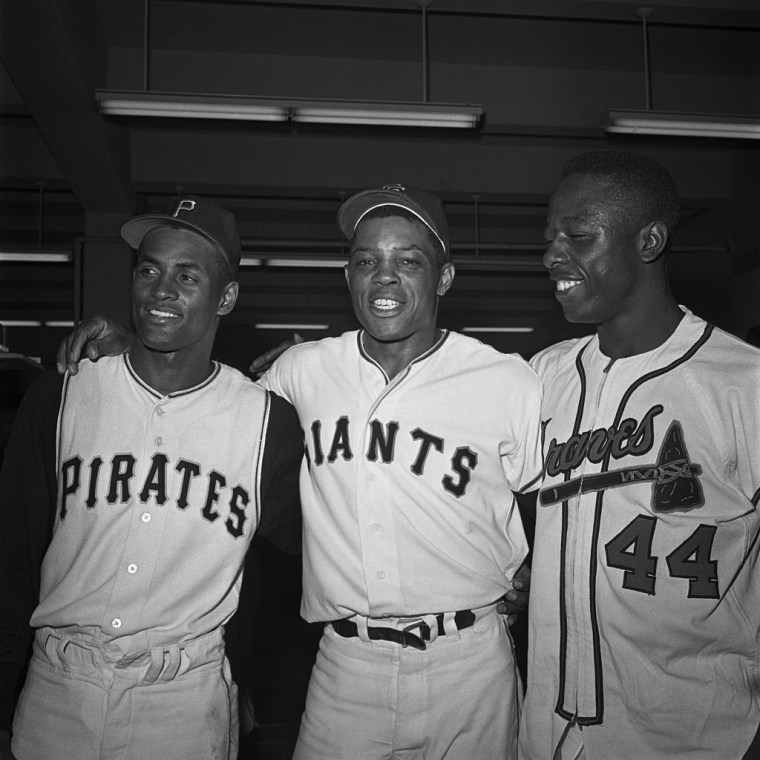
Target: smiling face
(395, 277)
(179, 292)
(592, 254)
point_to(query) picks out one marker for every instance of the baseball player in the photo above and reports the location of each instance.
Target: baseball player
(130, 493)
(417, 439)
(644, 614)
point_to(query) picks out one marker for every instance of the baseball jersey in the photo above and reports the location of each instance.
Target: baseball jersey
(407, 488)
(148, 503)
(644, 613)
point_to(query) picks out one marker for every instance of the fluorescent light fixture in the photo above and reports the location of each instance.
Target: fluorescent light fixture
(316, 111)
(281, 261)
(36, 323)
(287, 326)
(498, 329)
(41, 257)
(391, 114)
(188, 106)
(682, 124)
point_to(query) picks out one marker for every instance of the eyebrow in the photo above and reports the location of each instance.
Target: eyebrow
(369, 248)
(190, 265)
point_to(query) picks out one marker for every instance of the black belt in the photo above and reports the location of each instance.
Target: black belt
(348, 629)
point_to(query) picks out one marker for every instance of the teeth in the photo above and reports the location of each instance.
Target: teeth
(563, 285)
(157, 313)
(385, 303)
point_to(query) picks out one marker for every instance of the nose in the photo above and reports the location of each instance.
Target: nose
(164, 287)
(554, 255)
(385, 272)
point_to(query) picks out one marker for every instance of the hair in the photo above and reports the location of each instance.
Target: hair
(641, 184)
(383, 212)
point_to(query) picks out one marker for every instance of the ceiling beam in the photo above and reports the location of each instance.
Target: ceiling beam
(46, 46)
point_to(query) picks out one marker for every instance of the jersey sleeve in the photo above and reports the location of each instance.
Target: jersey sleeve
(524, 463)
(27, 511)
(280, 520)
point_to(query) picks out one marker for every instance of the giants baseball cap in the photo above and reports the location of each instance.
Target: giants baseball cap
(193, 213)
(424, 205)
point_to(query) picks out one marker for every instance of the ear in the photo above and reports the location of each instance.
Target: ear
(445, 278)
(653, 241)
(228, 299)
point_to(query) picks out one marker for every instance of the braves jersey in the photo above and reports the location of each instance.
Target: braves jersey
(148, 502)
(644, 613)
(407, 491)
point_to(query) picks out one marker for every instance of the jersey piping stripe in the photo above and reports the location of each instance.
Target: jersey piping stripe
(559, 709)
(756, 498)
(360, 340)
(59, 428)
(260, 458)
(598, 680)
(175, 394)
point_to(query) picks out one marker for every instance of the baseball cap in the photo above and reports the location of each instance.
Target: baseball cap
(424, 205)
(191, 212)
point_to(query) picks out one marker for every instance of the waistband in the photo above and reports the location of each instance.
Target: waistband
(412, 631)
(81, 654)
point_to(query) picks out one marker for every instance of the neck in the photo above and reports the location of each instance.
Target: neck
(396, 356)
(638, 335)
(169, 372)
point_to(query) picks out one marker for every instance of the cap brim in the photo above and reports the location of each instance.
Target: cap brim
(134, 230)
(355, 209)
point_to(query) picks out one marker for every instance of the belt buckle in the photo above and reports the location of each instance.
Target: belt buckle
(415, 640)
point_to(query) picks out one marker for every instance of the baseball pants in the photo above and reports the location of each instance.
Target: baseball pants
(458, 699)
(82, 701)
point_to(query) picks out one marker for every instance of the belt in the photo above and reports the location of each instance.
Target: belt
(348, 629)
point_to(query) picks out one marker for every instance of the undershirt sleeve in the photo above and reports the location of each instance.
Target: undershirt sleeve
(27, 512)
(280, 520)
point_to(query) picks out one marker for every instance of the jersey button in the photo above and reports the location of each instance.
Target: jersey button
(132, 569)
(381, 576)
(116, 623)
(145, 517)
(160, 411)
(376, 527)
(371, 478)
(159, 440)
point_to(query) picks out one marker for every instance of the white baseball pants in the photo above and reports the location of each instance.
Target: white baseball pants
(81, 701)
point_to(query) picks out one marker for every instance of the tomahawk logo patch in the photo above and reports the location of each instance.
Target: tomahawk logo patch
(675, 479)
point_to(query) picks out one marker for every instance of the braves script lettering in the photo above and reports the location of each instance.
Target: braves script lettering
(629, 438)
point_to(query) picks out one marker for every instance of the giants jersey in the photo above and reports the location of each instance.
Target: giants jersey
(407, 491)
(644, 613)
(151, 501)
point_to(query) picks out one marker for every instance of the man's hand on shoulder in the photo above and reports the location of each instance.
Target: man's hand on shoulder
(264, 361)
(95, 337)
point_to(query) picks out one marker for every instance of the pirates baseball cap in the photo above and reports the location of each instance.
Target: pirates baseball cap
(424, 205)
(191, 212)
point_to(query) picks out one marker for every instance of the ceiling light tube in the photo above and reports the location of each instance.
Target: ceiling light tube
(36, 323)
(189, 106)
(391, 114)
(304, 110)
(280, 261)
(41, 257)
(289, 326)
(682, 124)
(498, 329)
